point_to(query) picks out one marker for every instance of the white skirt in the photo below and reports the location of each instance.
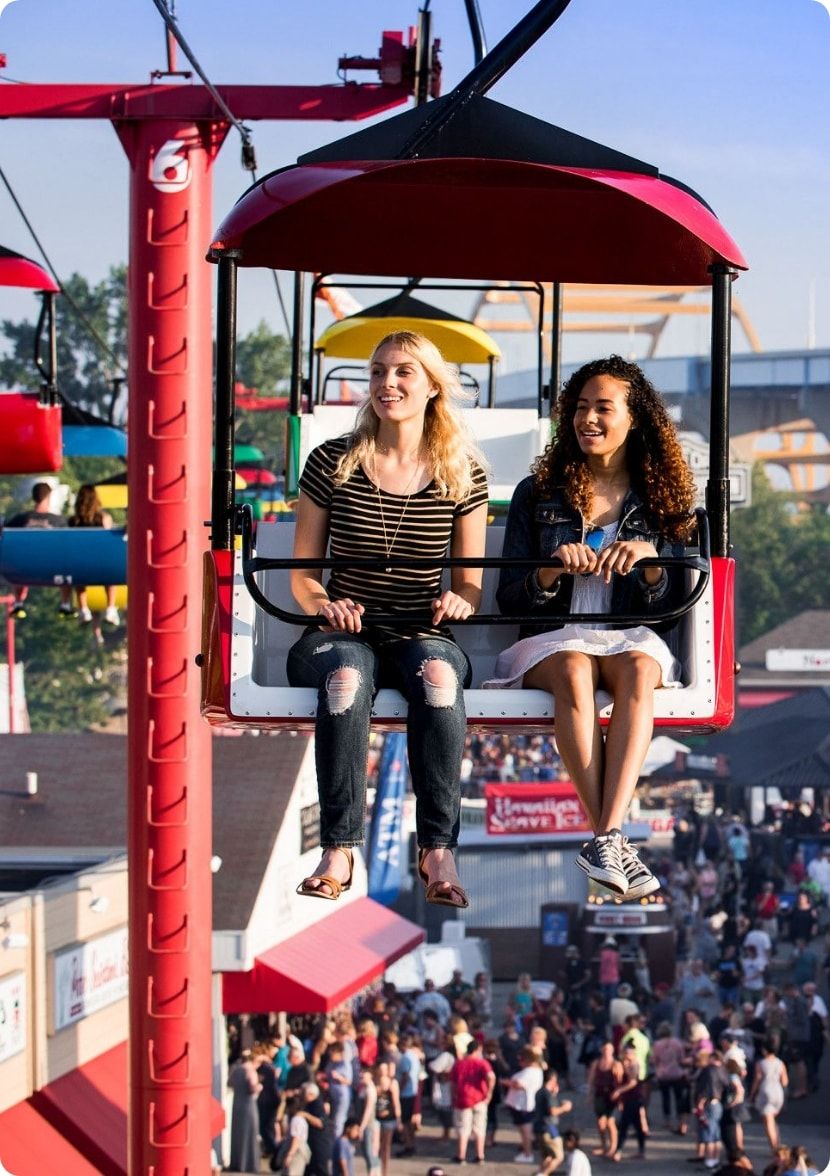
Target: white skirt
(513, 663)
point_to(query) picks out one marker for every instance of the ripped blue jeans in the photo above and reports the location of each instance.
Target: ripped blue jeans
(346, 670)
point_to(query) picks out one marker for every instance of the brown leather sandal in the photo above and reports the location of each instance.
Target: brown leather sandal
(456, 896)
(337, 887)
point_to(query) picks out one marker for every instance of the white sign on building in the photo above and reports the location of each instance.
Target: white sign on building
(797, 659)
(89, 977)
(12, 1015)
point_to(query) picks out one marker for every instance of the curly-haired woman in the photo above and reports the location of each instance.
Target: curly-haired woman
(612, 488)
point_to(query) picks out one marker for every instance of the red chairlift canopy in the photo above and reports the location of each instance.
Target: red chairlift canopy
(496, 195)
(17, 270)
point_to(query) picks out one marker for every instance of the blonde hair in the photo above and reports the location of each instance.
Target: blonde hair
(450, 447)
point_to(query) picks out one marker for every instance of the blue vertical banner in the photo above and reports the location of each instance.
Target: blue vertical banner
(386, 845)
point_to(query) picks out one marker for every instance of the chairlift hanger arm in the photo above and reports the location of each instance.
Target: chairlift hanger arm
(48, 369)
(252, 564)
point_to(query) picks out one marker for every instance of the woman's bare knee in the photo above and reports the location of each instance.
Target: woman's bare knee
(638, 673)
(440, 682)
(341, 689)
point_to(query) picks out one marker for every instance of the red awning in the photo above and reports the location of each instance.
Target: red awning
(88, 1106)
(29, 1146)
(316, 969)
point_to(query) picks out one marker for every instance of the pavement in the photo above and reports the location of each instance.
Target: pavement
(806, 1122)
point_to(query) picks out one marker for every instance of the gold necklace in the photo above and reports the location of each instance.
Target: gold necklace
(389, 546)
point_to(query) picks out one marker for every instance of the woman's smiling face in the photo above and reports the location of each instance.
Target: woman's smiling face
(602, 420)
(398, 385)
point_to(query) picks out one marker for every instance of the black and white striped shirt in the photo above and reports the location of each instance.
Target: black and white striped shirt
(418, 525)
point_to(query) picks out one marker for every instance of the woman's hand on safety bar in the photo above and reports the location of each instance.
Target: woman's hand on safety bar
(621, 556)
(343, 615)
(451, 607)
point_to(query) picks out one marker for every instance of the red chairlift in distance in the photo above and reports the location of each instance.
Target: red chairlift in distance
(30, 422)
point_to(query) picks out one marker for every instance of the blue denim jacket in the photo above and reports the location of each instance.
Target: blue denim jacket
(537, 526)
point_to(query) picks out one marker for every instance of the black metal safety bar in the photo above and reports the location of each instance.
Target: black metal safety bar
(252, 564)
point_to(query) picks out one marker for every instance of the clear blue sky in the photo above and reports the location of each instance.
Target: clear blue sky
(731, 96)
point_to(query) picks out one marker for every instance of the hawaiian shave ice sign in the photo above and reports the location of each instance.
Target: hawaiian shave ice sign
(12, 1015)
(89, 976)
(534, 809)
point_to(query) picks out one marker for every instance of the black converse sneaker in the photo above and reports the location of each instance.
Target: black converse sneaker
(601, 859)
(641, 881)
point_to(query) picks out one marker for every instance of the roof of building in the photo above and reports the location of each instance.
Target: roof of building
(786, 743)
(81, 803)
(808, 630)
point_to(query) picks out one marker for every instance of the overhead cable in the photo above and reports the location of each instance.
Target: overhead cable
(79, 314)
(248, 154)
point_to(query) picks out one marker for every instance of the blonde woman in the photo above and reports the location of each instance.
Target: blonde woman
(406, 482)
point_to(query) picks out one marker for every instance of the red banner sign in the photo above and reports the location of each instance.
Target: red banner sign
(535, 809)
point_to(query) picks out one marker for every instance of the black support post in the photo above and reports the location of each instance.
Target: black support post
(555, 343)
(717, 487)
(222, 496)
(295, 403)
(486, 72)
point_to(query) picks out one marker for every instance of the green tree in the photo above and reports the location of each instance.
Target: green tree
(72, 682)
(85, 369)
(782, 559)
(263, 361)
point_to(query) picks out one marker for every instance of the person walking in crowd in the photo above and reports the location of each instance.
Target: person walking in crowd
(320, 1134)
(735, 1109)
(605, 1076)
(441, 1089)
(767, 906)
(501, 1069)
(522, 1088)
(668, 1055)
(707, 1097)
(819, 1032)
(803, 921)
(408, 1073)
(799, 1163)
(407, 480)
(578, 1162)
(473, 1081)
(268, 1100)
(753, 973)
(611, 489)
(387, 1111)
(609, 967)
(628, 1097)
(296, 1157)
(343, 1153)
(245, 1084)
(339, 1077)
(548, 1109)
(767, 1092)
(363, 1107)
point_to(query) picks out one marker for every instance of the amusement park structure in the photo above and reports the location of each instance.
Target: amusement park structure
(579, 212)
(171, 134)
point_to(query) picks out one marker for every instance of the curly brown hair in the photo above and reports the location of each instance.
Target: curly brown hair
(657, 470)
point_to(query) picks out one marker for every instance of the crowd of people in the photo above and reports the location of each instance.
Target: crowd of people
(739, 1032)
